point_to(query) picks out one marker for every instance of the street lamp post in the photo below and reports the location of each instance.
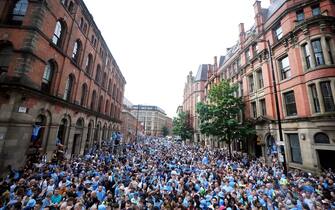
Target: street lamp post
(277, 104)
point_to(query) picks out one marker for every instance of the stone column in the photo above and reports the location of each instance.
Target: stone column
(83, 141)
(325, 51)
(311, 51)
(51, 144)
(69, 145)
(320, 99)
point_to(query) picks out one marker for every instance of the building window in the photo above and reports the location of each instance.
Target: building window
(278, 32)
(18, 12)
(83, 95)
(107, 107)
(81, 23)
(110, 86)
(47, 77)
(317, 49)
(253, 109)
(58, 34)
(295, 147)
(98, 74)
(88, 65)
(71, 7)
(101, 101)
(285, 69)
(104, 80)
(328, 40)
(327, 96)
(263, 106)
(291, 109)
(255, 49)
(6, 52)
(93, 100)
(76, 51)
(300, 16)
(316, 10)
(114, 89)
(307, 55)
(314, 94)
(321, 138)
(251, 83)
(259, 74)
(241, 88)
(65, 2)
(68, 88)
(247, 55)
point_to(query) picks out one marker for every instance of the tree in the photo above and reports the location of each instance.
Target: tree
(182, 127)
(219, 117)
(165, 131)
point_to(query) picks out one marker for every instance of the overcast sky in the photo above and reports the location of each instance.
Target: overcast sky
(157, 42)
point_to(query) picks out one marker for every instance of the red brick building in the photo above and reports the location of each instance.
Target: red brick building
(59, 81)
(302, 42)
(194, 92)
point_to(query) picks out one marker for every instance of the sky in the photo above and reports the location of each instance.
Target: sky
(156, 43)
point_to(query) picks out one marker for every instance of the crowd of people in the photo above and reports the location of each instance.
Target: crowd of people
(162, 174)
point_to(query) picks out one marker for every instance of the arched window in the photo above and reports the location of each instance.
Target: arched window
(88, 65)
(59, 33)
(321, 138)
(81, 23)
(110, 86)
(104, 80)
(112, 110)
(114, 89)
(76, 51)
(98, 74)
(47, 77)
(19, 11)
(107, 107)
(6, 52)
(93, 100)
(83, 94)
(100, 105)
(71, 7)
(85, 28)
(68, 88)
(65, 2)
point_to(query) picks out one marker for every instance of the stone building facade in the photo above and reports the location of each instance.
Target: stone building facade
(129, 122)
(152, 118)
(302, 42)
(194, 92)
(59, 83)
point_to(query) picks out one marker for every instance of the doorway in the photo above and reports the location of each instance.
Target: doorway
(325, 161)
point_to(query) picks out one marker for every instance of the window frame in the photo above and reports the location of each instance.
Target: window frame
(328, 99)
(300, 15)
(285, 72)
(315, 98)
(262, 103)
(318, 52)
(277, 35)
(290, 110)
(295, 146)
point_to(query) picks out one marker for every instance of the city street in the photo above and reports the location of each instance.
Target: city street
(163, 174)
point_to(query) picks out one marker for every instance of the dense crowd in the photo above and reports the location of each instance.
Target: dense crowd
(162, 174)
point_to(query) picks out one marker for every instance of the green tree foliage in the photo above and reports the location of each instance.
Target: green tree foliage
(219, 117)
(182, 127)
(165, 131)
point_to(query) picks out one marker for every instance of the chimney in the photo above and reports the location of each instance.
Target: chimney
(215, 63)
(242, 33)
(209, 73)
(259, 19)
